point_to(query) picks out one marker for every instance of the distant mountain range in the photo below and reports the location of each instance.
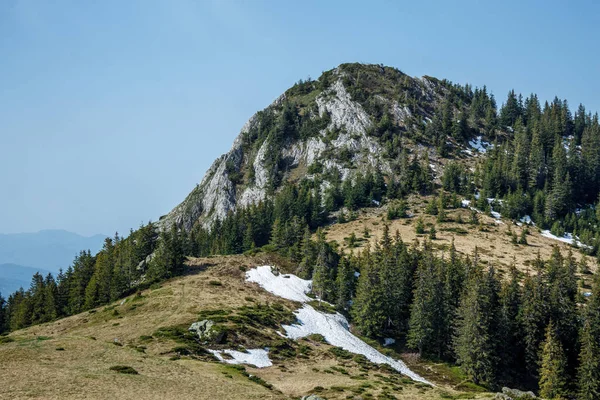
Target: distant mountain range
(13, 276)
(22, 254)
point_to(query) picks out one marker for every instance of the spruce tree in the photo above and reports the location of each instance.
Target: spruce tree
(323, 275)
(553, 367)
(428, 323)
(3, 316)
(345, 284)
(476, 341)
(511, 350)
(588, 376)
(533, 317)
(367, 306)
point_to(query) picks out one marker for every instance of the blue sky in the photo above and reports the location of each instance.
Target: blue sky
(111, 111)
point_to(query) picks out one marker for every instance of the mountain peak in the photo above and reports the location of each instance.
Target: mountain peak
(353, 118)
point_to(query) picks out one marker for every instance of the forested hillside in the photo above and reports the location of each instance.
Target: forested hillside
(368, 136)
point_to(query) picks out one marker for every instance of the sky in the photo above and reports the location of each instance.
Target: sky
(112, 111)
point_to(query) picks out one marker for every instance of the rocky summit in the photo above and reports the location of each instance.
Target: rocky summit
(344, 121)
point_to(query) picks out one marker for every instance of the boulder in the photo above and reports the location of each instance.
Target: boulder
(206, 330)
(514, 394)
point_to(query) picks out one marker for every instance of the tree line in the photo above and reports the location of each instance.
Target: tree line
(531, 330)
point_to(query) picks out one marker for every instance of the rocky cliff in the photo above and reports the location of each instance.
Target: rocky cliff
(353, 118)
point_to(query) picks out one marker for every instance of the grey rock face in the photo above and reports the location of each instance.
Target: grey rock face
(204, 329)
(216, 195)
(514, 394)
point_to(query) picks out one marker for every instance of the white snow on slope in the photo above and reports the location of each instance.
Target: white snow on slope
(287, 286)
(333, 327)
(256, 357)
(478, 144)
(567, 238)
(527, 220)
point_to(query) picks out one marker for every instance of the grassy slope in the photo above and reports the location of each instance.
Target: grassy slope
(493, 242)
(71, 358)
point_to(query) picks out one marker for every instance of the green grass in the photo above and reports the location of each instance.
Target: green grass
(6, 339)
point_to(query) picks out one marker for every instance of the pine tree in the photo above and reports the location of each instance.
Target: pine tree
(323, 275)
(476, 341)
(307, 255)
(50, 295)
(553, 368)
(3, 316)
(345, 284)
(511, 350)
(588, 376)
(367, 310)
(428, 324)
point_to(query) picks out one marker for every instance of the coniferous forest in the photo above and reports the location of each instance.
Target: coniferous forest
(531, 330)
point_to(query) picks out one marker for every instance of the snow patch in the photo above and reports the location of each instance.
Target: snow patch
(526, 220)
(257, 357)
(567, 238)
(388, 341)
(479, 144)
(287, 286)
(333, 327)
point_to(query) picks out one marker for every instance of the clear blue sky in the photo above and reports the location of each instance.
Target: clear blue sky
(111, 111)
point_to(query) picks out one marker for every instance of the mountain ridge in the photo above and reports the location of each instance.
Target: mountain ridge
(49, 249)
(332, 108)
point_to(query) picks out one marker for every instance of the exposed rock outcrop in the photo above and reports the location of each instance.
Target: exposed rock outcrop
(227, 186)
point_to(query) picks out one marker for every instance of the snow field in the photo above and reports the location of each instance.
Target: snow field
(333, 327)
(256, 357)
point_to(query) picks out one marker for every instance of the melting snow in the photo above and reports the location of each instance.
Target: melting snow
(287, 286)
(567, 238)
(478, 144)
(388, 341)
(256, 357)
(333, 327)
(527, 220)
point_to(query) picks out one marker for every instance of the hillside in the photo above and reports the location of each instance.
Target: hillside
(72, 357)
(411, 212)
(355, 117)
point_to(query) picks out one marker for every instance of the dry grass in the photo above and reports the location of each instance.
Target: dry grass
(71, 358)
(493, 243)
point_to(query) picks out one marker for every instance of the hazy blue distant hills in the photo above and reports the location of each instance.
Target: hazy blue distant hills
(13, 276)
(48, 249)
(22, 254)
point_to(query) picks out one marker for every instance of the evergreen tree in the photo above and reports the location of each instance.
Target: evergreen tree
(588, 376)
(367, 311)
(476, 341)
(3, 316)
(511, 350)
(324, 271)
(553, 368)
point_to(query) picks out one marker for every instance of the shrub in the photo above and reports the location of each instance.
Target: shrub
(6, 339)
(124, 369)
